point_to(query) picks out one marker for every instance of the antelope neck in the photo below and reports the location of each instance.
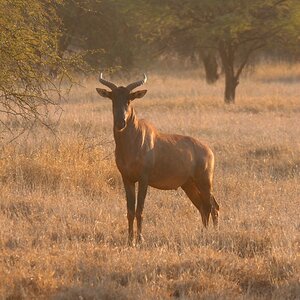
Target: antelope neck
(129, 133)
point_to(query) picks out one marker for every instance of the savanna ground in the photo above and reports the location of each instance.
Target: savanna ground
(63, 217)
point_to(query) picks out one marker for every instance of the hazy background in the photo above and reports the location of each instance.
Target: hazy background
(224, 72)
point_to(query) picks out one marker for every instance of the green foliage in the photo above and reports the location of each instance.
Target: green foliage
(28, 62)
(99, 27)
(287, 42)
(207, 22)
(233, 28)
(40, 38)
(131, 33)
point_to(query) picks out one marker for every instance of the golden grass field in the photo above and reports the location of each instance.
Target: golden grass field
(63, 213)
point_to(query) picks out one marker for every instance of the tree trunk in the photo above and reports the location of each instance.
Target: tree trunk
(231, 82)
(210, 66)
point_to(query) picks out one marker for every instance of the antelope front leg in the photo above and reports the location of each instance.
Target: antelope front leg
(142, 191)
(130, 198)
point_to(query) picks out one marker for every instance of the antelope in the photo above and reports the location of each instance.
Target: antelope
(149, 157)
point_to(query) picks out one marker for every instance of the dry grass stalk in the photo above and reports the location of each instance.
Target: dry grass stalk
(63, 217)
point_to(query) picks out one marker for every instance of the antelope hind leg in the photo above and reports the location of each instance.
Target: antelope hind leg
(198, 200)
(214, 210)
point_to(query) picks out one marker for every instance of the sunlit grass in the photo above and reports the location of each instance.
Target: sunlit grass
(63, 213)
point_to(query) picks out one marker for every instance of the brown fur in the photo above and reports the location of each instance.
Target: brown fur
(163, 161)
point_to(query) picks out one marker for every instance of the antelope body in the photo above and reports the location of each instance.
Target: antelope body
(151, 158)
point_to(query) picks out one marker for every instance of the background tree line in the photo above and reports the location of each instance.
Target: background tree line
(43, 42)
(223, 35)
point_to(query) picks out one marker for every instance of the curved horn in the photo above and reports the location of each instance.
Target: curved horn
(133, 85)
(107, 83)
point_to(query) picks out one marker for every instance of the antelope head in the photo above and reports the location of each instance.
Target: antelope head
(121, 97)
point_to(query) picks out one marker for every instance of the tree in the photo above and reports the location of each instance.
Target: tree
(241, 29)
(187, 44)
(209, 59)
(286, 44)
(235, 29)
(28, 53)
(99, 28)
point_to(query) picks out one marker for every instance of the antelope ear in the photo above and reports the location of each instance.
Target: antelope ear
(104, 93)
(137, 94)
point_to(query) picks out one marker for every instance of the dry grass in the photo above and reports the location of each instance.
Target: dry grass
(62, 211)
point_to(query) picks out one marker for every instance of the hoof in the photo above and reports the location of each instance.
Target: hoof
(139, 240)
(130, 242)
